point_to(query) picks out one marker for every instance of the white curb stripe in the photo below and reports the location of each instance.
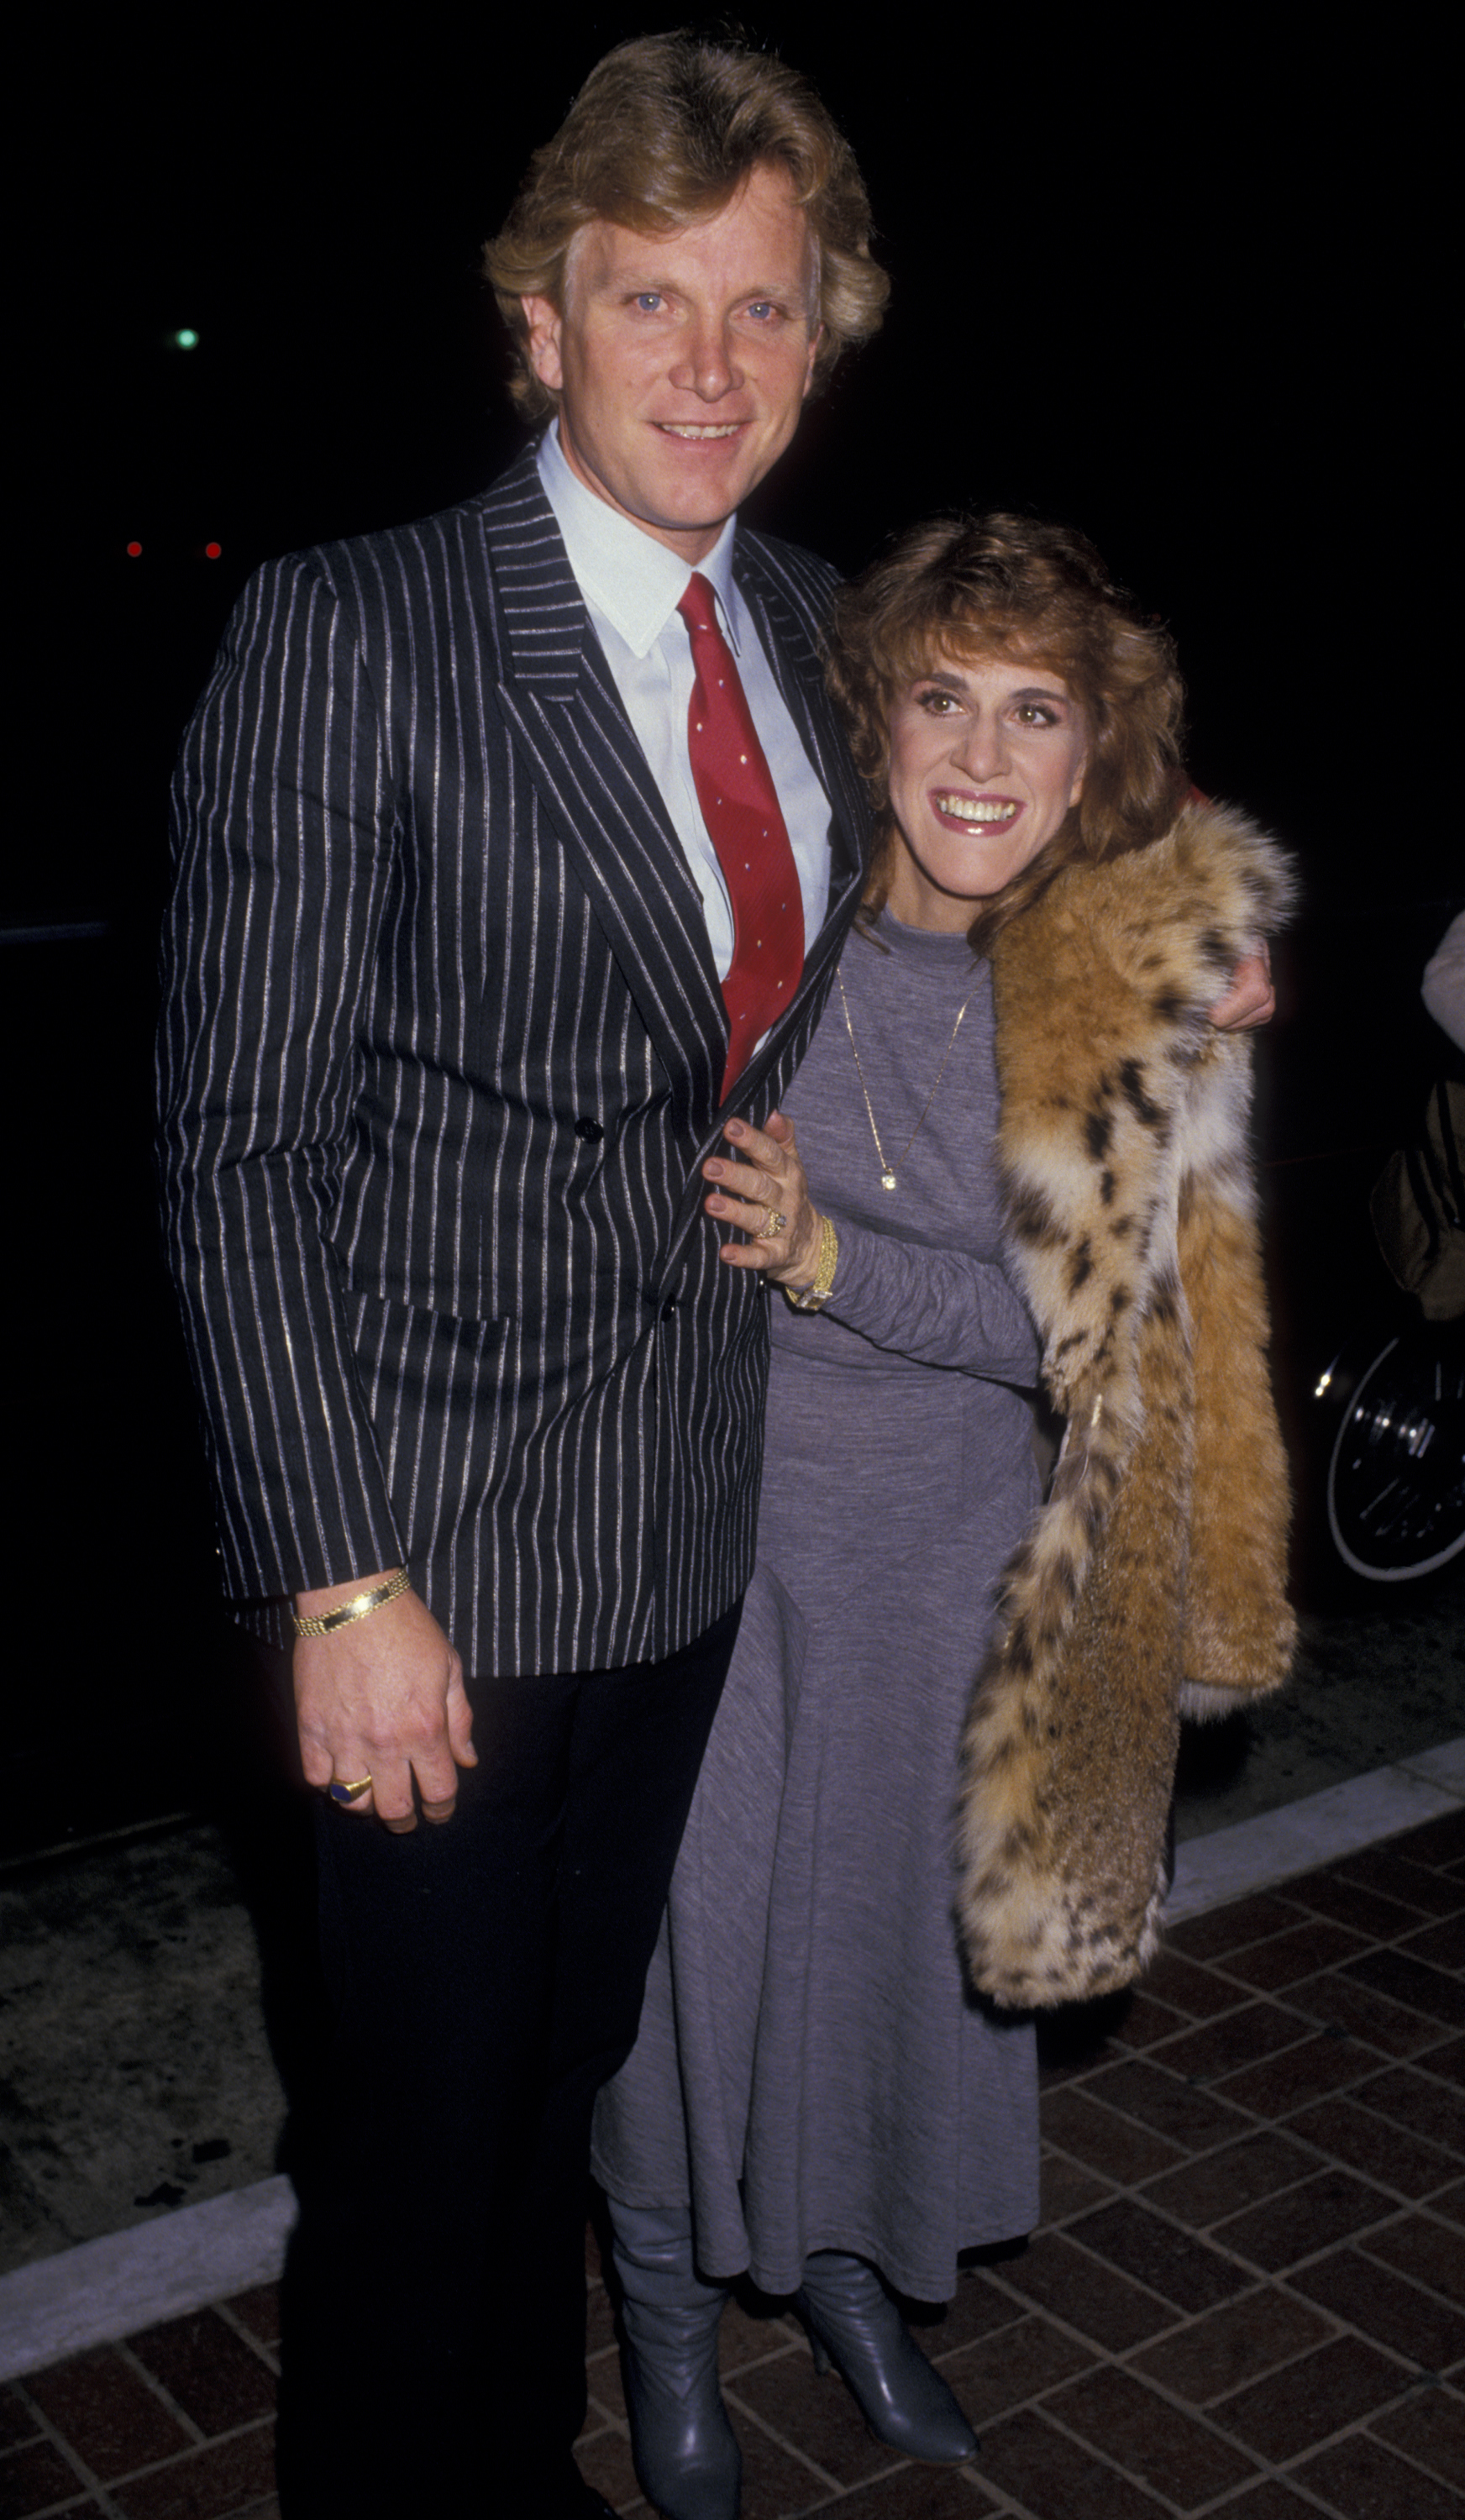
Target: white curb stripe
(108, 2288)
(1323, 1828)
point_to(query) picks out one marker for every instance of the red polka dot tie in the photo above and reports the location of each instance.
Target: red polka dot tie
(741, 809)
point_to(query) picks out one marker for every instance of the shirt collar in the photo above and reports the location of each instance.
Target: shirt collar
(629, 577)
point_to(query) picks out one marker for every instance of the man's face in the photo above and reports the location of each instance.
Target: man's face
(681, 361)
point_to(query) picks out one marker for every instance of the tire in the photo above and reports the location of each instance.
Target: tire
(1395, 1477)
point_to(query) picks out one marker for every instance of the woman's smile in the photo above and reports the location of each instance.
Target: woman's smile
(989, 810)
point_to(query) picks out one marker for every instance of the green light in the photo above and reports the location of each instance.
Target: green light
(186, 339)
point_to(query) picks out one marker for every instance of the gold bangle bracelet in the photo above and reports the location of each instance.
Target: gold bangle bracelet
(812, 1299)
(360, 1606)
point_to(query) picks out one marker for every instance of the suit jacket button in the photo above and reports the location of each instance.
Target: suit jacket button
(589, 1132)
(668, 1308)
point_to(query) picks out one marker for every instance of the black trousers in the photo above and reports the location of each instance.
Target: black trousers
(486, 1978)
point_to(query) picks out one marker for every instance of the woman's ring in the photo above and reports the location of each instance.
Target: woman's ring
(774, 1223)
(341, 1792)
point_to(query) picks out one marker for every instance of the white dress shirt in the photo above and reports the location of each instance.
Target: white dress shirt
(632, 585)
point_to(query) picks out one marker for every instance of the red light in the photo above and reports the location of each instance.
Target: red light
(212, 551)
(134, 550)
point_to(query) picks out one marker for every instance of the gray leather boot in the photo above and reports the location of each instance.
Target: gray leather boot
(686, 2452)
(853, 2324)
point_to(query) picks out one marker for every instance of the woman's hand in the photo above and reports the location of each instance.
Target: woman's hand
(1250, 997)
(762, 1185)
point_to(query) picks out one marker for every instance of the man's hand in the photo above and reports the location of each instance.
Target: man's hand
(1251, 997)
(382, 1698)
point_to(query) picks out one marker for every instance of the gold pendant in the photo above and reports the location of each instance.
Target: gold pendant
(887, 1181)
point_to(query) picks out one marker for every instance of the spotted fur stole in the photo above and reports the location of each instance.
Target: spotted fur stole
(1151, 1582)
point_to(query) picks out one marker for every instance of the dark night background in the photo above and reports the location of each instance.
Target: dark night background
(1164, 276)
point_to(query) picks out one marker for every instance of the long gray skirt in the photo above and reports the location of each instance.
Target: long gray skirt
(811, 2073)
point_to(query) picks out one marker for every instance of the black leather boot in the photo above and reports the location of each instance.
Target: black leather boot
(853, 2324)
(686, 2452)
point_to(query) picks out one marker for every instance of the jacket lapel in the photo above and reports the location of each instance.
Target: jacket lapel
(595, 786)
(790, 645)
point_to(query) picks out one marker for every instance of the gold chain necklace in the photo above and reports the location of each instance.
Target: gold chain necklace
(887, 1169)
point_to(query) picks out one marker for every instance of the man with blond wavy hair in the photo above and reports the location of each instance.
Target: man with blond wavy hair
(514, 850)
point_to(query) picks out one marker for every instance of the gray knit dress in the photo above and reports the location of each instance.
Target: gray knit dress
(810, 2072)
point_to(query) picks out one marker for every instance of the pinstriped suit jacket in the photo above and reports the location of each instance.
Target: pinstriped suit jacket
(440, 1060)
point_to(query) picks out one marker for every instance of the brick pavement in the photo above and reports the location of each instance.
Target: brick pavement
(1247, 2295)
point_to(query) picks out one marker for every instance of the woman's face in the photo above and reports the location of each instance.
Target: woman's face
(985, 761)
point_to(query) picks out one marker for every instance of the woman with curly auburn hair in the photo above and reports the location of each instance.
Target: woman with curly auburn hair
(999, 586)
(1026, 1137)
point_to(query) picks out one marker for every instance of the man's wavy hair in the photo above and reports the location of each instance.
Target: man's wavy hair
(663, 132)
(971, 588)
